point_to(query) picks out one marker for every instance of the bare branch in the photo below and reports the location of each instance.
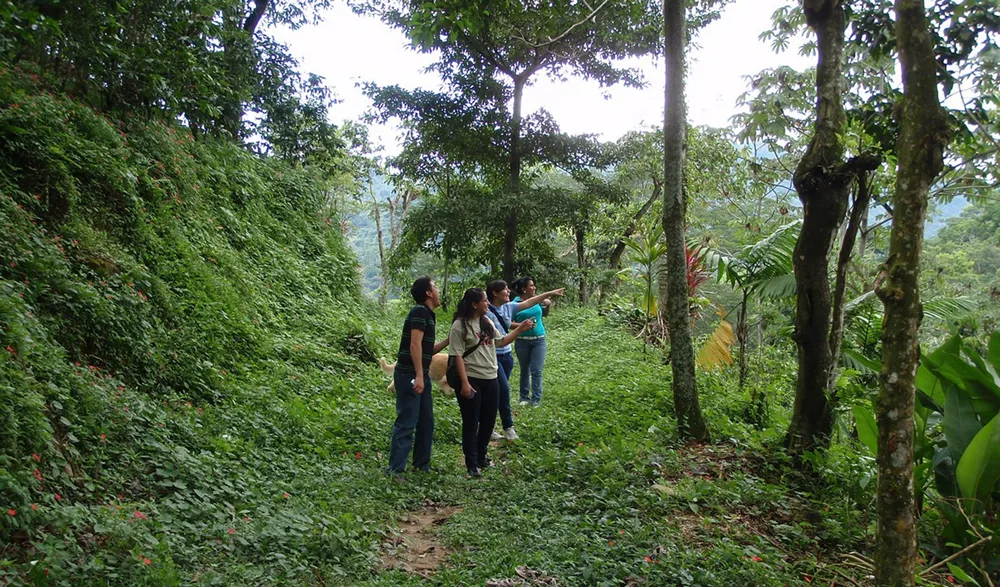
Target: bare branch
(553, 40)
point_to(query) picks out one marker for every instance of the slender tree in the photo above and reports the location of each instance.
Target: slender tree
(922, 139)
(689, 419)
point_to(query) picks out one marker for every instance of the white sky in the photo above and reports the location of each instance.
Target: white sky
(348, 49)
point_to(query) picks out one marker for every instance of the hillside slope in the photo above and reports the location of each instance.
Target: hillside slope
(178, 321)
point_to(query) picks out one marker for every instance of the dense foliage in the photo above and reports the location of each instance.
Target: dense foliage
(178, 321)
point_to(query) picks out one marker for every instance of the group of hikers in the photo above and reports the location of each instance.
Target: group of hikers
(483, 327)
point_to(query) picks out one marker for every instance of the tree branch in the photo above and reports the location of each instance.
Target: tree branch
(556, 39)
(260, 6)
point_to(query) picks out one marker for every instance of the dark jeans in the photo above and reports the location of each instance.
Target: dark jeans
(479, 414)
(505, 364)
(413, 412)
(531, 359)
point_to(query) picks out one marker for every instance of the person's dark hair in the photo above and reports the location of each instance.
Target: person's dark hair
(493, 287)
(420, 288)
(521, 283)
(466, 310)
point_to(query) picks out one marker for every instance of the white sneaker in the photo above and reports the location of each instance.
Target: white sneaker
(510, 434)
(523, 402)
(495, 436)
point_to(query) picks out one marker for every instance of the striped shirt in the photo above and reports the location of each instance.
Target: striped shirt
(420, 317)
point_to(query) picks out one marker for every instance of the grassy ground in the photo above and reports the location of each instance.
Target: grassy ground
(598, 492)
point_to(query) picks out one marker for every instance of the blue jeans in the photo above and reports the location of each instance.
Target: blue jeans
(413, 413)
(505, 364)
(530, 359)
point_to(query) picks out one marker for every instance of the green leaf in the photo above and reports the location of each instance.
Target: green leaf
(961, 575)
(867, 429)
(960, 422)
(979, 467)
(853, 359)
(993, 352)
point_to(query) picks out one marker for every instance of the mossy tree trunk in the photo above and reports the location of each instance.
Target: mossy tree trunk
(923, 134)
(690, 422)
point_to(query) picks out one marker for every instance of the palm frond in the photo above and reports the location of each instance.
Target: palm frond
(779, 286)
(949, 309)
(716, 353)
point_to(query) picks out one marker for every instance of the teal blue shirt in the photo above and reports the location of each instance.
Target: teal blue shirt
(532, 313)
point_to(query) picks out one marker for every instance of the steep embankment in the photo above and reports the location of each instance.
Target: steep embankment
(178, 327)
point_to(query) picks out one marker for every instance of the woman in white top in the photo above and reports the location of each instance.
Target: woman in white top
(473, 345)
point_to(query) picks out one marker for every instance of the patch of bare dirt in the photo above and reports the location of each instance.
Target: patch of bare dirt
(414, 547)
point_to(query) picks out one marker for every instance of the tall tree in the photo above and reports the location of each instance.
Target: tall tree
(822, 180)
(922, 139)
(690, 422)
(511, 42)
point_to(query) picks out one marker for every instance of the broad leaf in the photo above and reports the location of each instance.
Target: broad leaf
(867, 429)
(960, 422)
(944, 473)
(979, 468)
(993, 352)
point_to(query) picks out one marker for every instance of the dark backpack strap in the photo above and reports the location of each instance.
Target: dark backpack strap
(503, 323)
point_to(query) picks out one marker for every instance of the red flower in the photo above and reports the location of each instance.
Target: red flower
(11, 350)
(12, 512)
(950, 578)
(807, 578)
(285, 495)
(104, 438)
(34, 508)
(58, 497)
(37, 458)
(37, 474)
(648, 559)
(622, 532)
(146, 561)
(140, 515)
(357, 457)
(611, 542)
(232, 530)
(756, 559)
(246, 518)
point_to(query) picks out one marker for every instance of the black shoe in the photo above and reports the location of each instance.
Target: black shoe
(486, 463)
(474, 473)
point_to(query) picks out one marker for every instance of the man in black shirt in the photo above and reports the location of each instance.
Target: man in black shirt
(414, 405)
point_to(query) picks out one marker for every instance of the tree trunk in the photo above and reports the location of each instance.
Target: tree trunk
(690, 422)
(923, 134)
(859, 209)
(616, 254)
(742, 333)
(581, 262)
(823, 188)
(383, 289)
(510, 234)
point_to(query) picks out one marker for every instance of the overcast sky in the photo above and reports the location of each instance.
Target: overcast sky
(348, 49)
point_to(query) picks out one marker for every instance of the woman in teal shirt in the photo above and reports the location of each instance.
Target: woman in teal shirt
(530, 347)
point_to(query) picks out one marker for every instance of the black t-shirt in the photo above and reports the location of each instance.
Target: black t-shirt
(423, 318)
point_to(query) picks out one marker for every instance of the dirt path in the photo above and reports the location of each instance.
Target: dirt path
(415, 547)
